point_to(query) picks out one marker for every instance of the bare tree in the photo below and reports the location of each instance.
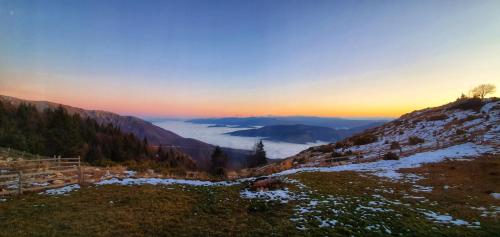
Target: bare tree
(482, 90)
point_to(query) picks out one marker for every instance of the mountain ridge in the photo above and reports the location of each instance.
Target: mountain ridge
(330, 122)
(473, 120)
(198, 150)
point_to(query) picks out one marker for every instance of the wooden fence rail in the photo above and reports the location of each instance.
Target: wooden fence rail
(19, 176)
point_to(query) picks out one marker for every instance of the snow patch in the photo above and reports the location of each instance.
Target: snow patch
(445, 219)
(159, 181)
(388, 168)
(61, 191)
(495, 195)
(282, 196)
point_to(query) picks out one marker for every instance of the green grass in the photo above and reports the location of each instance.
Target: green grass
(344, 197)
(144, 211)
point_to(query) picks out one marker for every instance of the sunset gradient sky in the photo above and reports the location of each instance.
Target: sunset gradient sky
(238, 58)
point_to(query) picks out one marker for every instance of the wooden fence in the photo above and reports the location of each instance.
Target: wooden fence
(19, 176)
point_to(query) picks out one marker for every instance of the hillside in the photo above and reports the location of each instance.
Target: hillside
(55, 132)
(251, 122)
(199, 151)
(445, 183)
(454, 198)
(299, 133)
(291, 133)
(470, 120)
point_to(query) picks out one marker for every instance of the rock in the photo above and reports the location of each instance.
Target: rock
(266, 183)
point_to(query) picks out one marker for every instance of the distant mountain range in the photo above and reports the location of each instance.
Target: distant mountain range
(299, 133)
(198, 150)
(250, 122)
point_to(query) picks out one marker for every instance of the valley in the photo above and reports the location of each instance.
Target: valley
(252, 118)
(446, 184)
(220, 136)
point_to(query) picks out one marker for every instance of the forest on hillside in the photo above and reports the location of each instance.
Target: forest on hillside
(56, 132)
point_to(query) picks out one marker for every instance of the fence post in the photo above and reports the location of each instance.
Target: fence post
(59, 162)
(20, 182)
(81, 177)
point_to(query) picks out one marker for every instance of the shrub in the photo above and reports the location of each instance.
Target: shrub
(323, 148)
(395, 145)
(468, 104)
(471, 117)
(364, 139)
(301, 160)
(414, 140)
(437, 117)
(460, 132)
(337, 154)
(339, 145)
(391, 156)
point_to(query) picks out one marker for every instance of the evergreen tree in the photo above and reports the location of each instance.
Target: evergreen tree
(258, 158)
(56, 132)
(219, 162)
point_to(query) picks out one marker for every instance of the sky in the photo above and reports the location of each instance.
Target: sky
(199, 58)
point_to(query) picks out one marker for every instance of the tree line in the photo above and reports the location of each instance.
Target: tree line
(219, 160)
(56, 132)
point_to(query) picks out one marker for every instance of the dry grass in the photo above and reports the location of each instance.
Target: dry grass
(469, 183)
(143, 211)
(176, 210)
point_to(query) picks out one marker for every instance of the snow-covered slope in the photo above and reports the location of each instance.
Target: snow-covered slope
(471, 121)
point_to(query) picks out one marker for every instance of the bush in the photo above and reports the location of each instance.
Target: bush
(414, 140)
(460, 132)
(391, 156)
(364, 139)
(437, 117)
(395, 145)
(397, 122)
(468, 104)
(339, 145)
(471, 117)
(337, 154)
(323, 148)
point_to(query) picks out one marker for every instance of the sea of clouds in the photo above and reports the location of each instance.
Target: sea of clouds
(217, 136)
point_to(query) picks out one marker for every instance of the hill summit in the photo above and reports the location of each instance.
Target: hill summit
(473, 121)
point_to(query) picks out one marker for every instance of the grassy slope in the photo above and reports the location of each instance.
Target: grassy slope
(12, 153)
(220, 211)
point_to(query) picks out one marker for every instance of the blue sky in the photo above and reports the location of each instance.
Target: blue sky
(218, 58)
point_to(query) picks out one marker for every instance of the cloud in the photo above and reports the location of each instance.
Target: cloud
(216, 136)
